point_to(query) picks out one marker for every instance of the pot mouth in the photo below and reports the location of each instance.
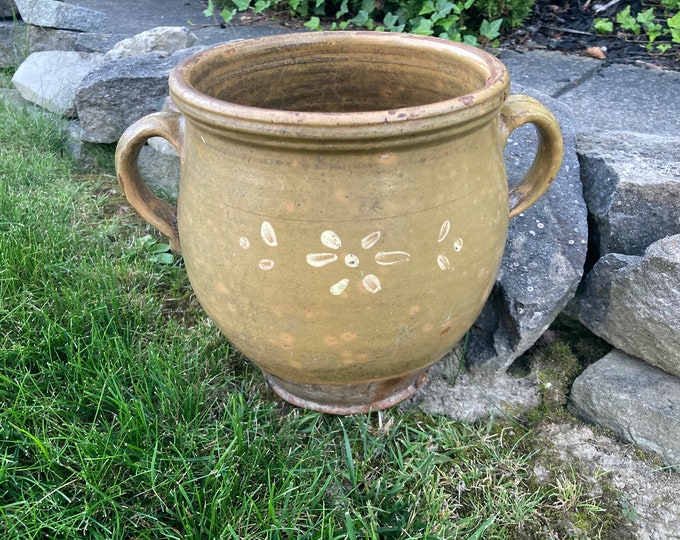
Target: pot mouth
(350, 81)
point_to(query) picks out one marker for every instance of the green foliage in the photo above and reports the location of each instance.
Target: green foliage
(512, 12)
(658, 25)
(627, 509)
(157, 252)
(469, 21)
(6, 77)
(603, 26)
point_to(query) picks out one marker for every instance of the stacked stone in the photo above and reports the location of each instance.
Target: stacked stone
(631, 297)
(103, 81)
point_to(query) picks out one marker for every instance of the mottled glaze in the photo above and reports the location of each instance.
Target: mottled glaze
(343, 206)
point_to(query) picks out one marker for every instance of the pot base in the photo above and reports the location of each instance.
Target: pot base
(350, 398)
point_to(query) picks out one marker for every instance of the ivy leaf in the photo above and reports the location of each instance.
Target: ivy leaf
(654, 31)
(361, 18)
(627, 21)
(448, 22)
(227, 14)
(424, 27)
(603, 26)
(314, 23)
(470, 40)
(368, 6)
(261, 5)
(646, 17)
(490, 30)
(674, 21)
(208, 12)
(428, 7)
(675, 35)
(242, 5)
(391, 22)
(344, 9)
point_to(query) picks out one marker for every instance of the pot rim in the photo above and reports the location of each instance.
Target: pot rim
(472, 107)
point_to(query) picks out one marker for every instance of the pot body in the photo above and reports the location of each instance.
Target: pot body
(343, 207)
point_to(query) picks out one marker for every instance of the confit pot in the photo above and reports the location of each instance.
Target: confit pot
(343, 205)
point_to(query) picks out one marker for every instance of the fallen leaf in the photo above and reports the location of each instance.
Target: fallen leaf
(596, 52)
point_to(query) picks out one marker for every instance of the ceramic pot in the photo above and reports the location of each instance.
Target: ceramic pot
(343, 204)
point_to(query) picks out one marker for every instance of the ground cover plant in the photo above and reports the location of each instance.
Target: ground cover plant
(658, 26)
(470, 21)
(125, 415)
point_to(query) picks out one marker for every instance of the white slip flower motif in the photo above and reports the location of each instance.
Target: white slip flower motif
(269, 238)
(370, 282)
(442, 260)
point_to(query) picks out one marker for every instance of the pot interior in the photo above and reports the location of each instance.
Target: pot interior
(337, 75)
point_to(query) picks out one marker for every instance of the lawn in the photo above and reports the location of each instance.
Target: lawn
(124, 414)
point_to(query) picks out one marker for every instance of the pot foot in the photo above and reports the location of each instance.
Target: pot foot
(350, 398)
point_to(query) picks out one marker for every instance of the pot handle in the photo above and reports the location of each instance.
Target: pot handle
(159, 213)
(517, 111)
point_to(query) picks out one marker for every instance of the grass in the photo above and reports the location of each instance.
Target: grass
(125, 415)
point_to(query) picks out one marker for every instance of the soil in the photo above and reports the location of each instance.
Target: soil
(567, 26)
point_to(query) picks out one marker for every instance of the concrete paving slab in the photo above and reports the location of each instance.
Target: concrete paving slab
(550, 72)
(627, 98)
(601, 97)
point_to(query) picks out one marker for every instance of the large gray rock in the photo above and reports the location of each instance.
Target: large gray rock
(631, 183)
(8, 9)
(453, 391)
(120, 92)
(12, 53)
(51, 39)
(163, 40)
(160, 167)
(49, 79)
(634, 303)
(19, 40)
(544, 255)
(60, 15)
(638, 402)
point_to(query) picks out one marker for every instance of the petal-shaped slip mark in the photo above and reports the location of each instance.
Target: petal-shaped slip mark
(444, 231)
(371, 283)
(331, 240)
(458, 244)
(339, 287)
(443, 262)
(244, 242)
(268, 234)
(351, 260)
(321, 259)
(266, 264)
(368, 241)
(388, 258)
